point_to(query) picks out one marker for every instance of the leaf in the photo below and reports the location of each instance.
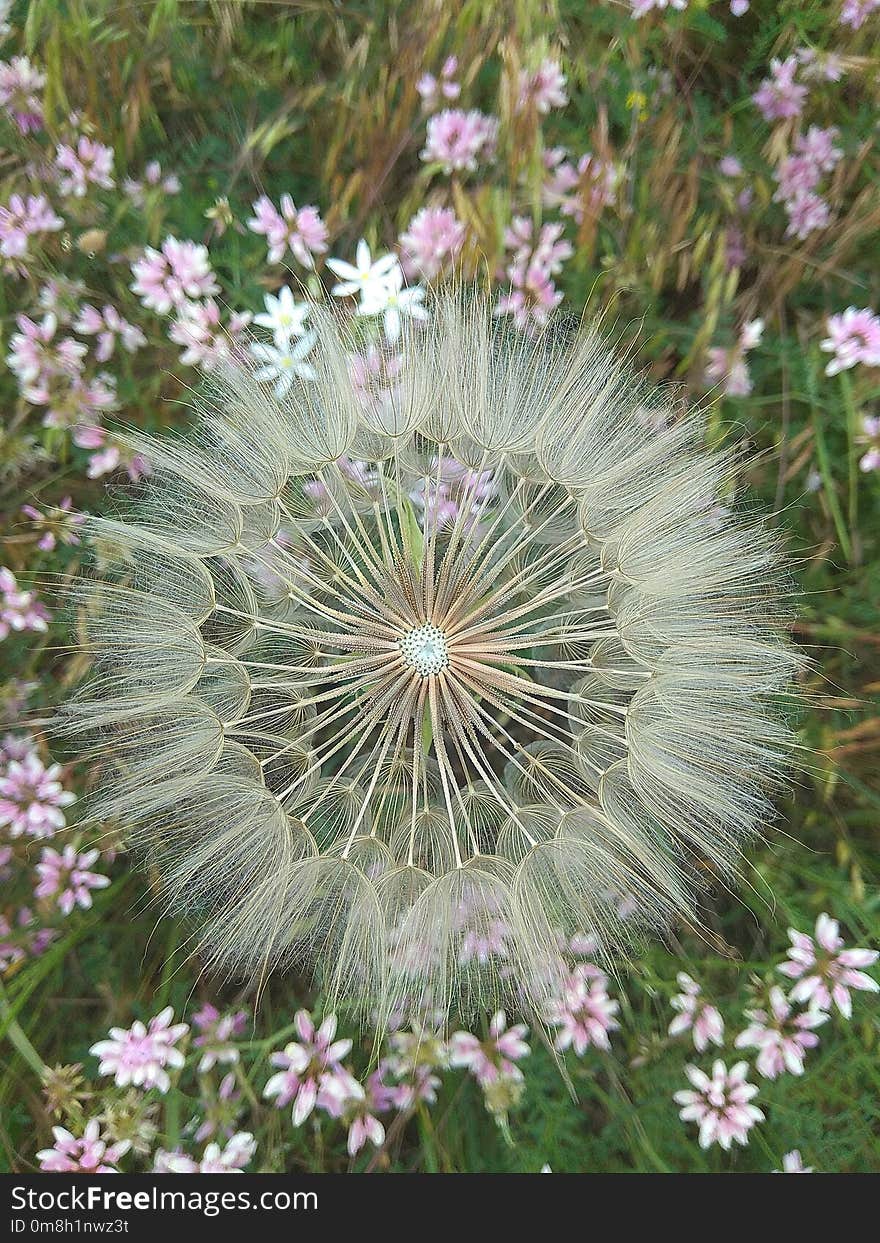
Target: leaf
(413, 536)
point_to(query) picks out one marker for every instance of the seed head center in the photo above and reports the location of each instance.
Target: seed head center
(425, 650)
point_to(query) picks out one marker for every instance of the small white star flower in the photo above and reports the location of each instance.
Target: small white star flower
(284, 316)
(365, 275)
(751, 334)
(392, 301)
(283, 362)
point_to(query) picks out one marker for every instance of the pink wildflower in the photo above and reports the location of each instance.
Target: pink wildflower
(458, 141)
(806, 214)
(89, 163)
(584, 1012)
(22, 219)
(19, 610)
(416, 1055)
(695, 1015)
(72, 400)
(735, 252)
(549, 250)
(796, 175)
(729, 366)
(817, 145)
(535, 261)
(532, 297)
(498, 1055)
(720, 1104)
(140, 1054)
(31, 798)
(108, 326)
(198, 328)
(855, 13)
(433, 237)
(88, 1154)
(821, 66)
(66, 876)
(223, 1109)
(20, 87)
(56, 523)
(167, 278)
(364, 1125)
(824, 970)
(419, 1086)
(15, 747)
(543, 89)
(154, 179)
(375, 375)
(781, 1036)
(446, 488)
(309, 1066)
(216, 1033)
(238, 1151)
(578, 190)
(870, 459)
(434, 90)
(779, 96)
(109, 455)
(301, 230)
(853, 337)
(640, 8)
(24, 939)
(35, 356)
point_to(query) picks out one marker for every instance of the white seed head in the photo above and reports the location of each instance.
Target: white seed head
(412, 683)
(426, 650)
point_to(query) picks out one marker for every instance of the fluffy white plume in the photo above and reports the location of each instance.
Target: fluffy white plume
(413, 682)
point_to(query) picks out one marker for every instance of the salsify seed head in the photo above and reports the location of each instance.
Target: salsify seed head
(413, 685)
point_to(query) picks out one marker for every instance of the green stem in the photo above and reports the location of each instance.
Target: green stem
(828, 484)
(852, 431)
(824, 461)
(17, 1037)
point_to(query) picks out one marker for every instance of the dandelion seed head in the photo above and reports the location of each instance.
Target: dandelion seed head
(426, 650)
(415, 687)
